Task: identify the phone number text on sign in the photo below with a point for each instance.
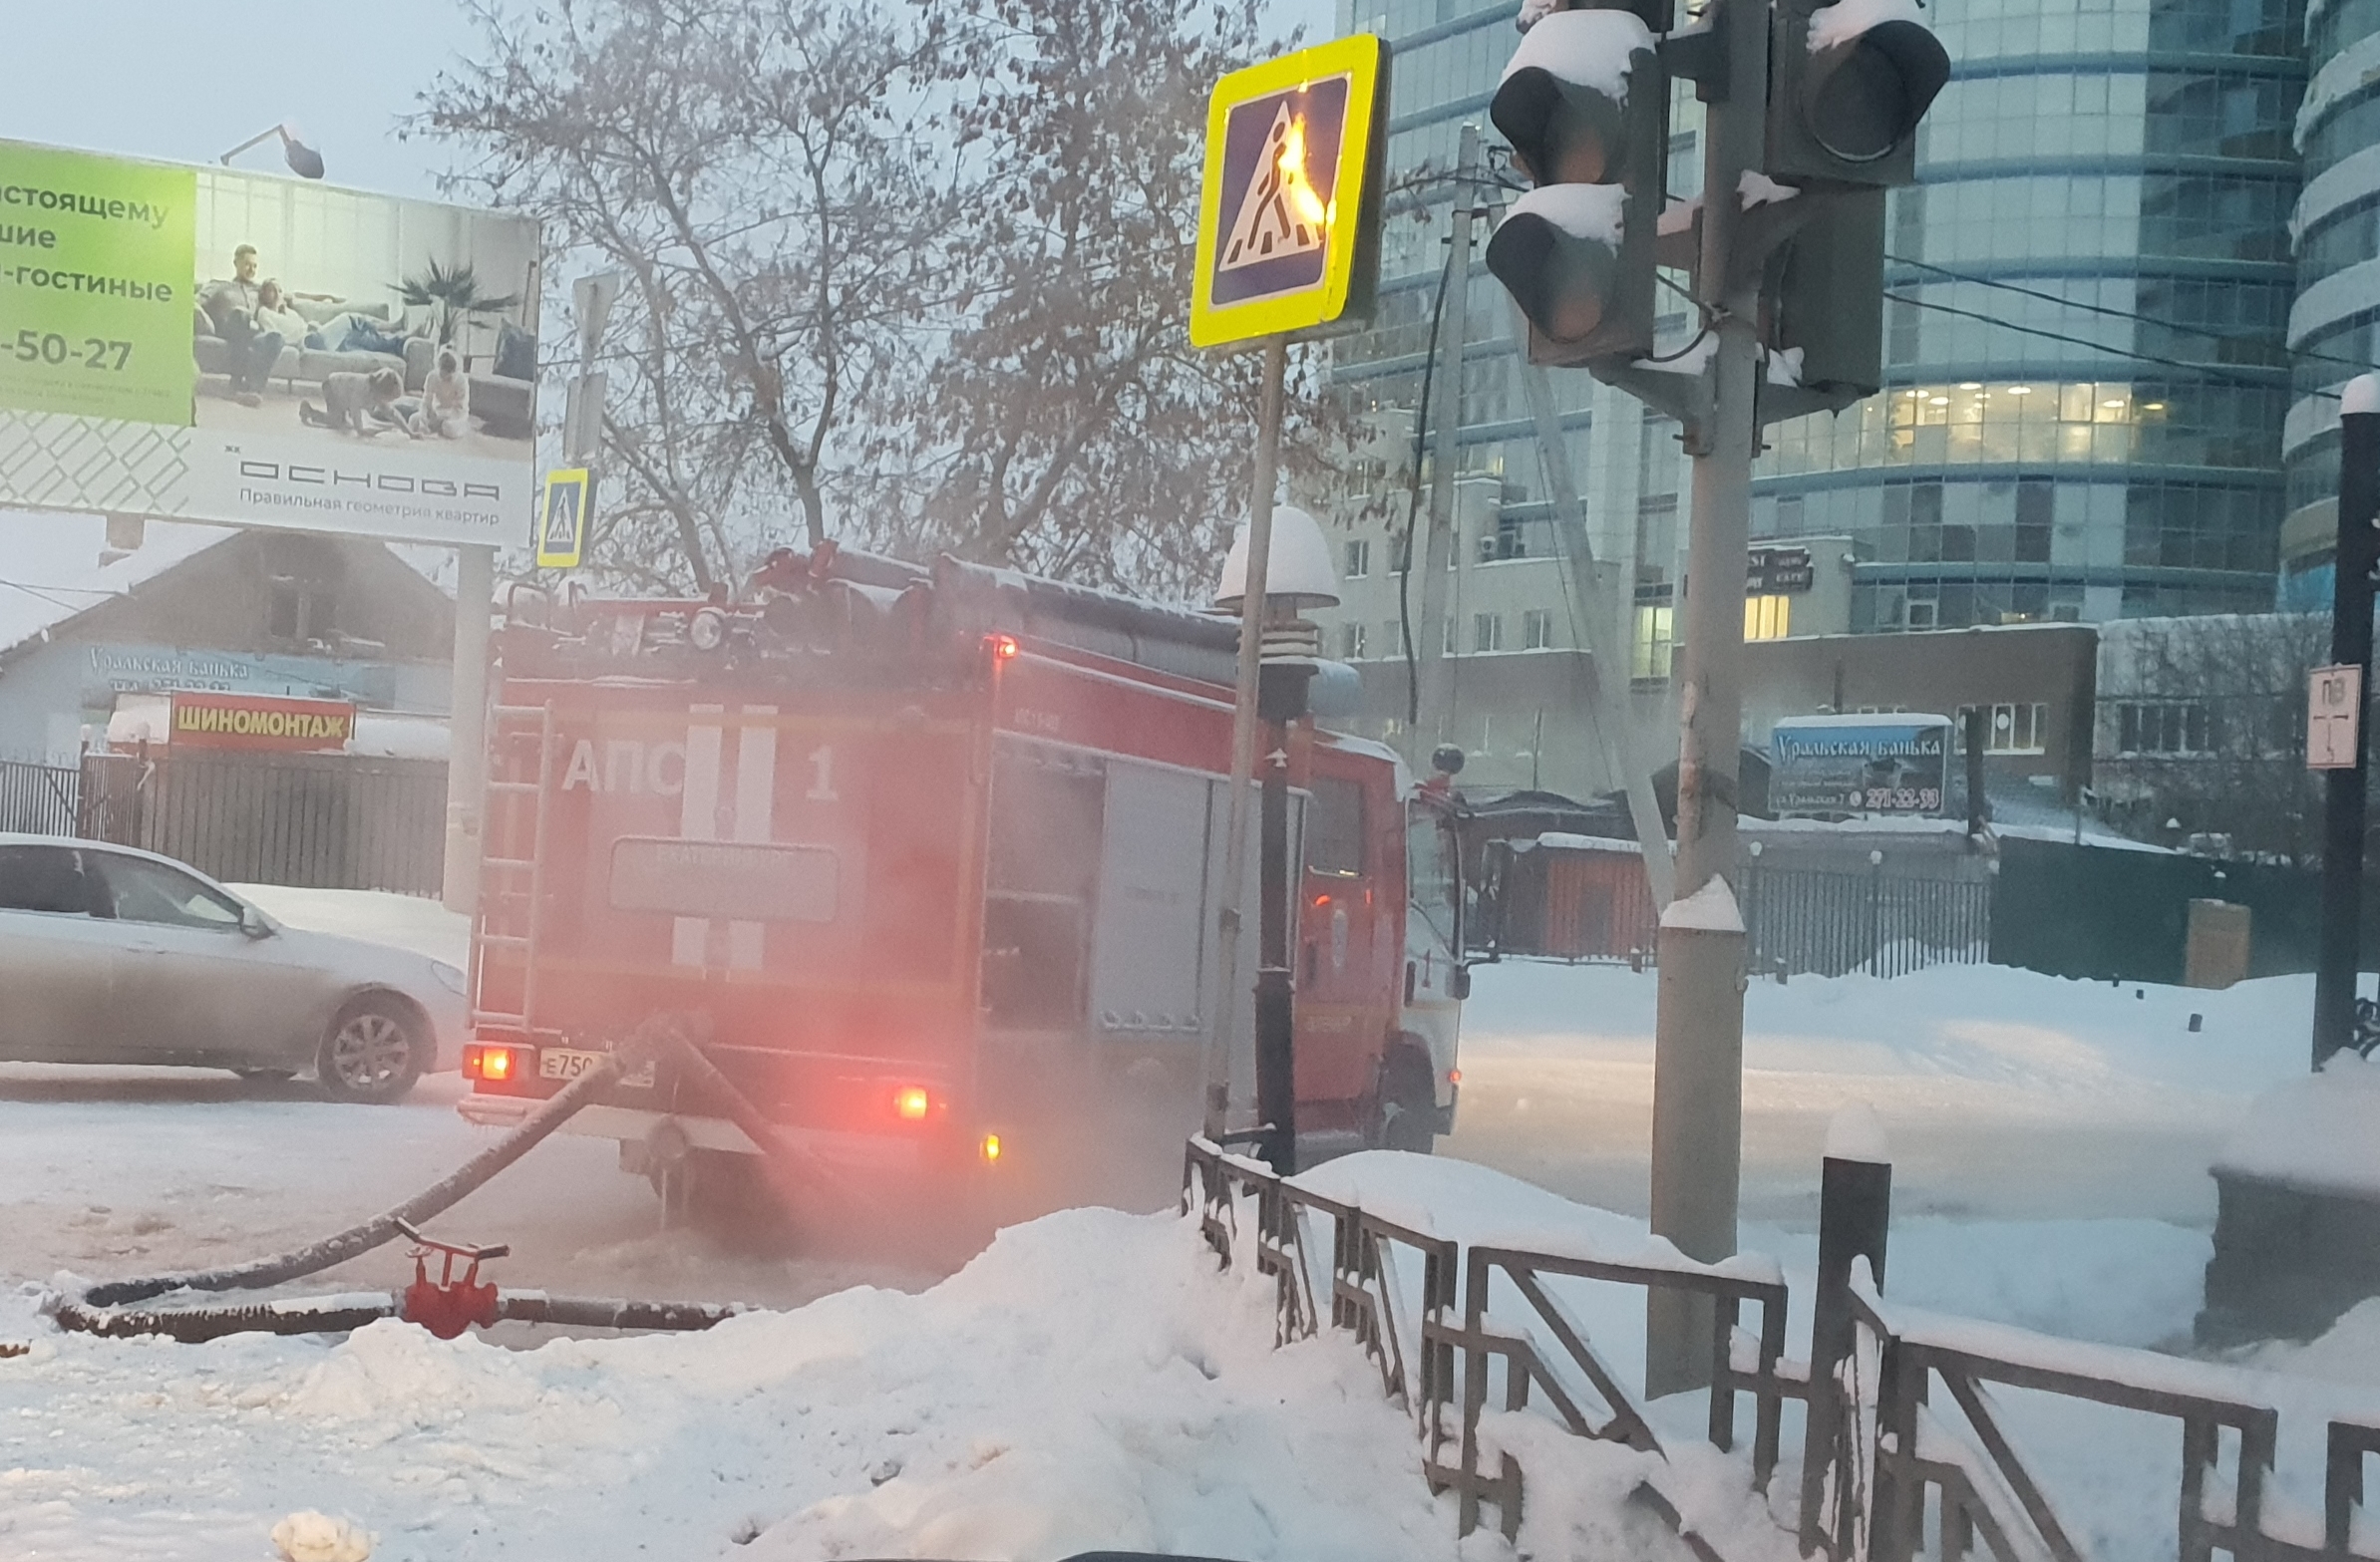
(109, 354)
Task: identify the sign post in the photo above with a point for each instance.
(1288, 246)
(2345, 779)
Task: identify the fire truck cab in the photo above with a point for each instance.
(928, 864)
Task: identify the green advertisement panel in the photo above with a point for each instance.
(241, 347)
(96, 261)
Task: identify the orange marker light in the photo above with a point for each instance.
(496, 1063)
(1454, 1076)
(991, 1148)
(910, 1102)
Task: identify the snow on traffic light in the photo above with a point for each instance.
(1847, 84)
(1586, 105)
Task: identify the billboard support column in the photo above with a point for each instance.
(467, 742)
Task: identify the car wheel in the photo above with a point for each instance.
(375, 1052)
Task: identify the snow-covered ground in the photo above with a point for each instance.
(1084, 1383)
(2007, 1095)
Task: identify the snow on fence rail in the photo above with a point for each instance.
(1875, 1445)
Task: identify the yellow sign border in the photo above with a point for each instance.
(564, 477)
(1359, 57)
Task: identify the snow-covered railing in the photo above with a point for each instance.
(1900, 1445)
(1359, 1271)
(1430, 1361)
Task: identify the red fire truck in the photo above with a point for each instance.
(931, 861)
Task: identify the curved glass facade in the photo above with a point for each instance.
(2086, 296)
(2335, 325)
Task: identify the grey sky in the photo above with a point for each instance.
(185, 83)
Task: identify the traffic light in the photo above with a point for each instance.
(1586, 105)
(1823, 307)
(1848, 84)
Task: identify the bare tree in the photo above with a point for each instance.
(1068, 425)
(2202, 722)
(756, 169)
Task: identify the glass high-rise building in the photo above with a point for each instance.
(2335, 326)
(2088, 288)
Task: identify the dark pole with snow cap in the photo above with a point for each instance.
(2344, 786)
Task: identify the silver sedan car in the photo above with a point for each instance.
(116, 956)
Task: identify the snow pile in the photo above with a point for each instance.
(1710, 909)
(318, 1537)
(2319, 1132)
(1089, 1382)
(1592, 213)
(1591, 49)
(1846, 20)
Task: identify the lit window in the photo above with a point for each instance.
(1768, 616)
(1649, 647)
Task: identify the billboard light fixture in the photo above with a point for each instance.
(303, 161)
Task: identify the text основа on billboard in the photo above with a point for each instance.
(202, 343)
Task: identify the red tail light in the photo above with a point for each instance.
(494, 1064)
(1004, 647)
(910, 1103)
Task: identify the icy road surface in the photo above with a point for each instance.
(2005, 1095)
(2021, 1110)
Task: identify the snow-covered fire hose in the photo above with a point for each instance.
(447, 1304)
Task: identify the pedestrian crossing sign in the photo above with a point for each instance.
(1288, 217)
(563, 518)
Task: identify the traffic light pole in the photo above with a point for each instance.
(1698, 1037)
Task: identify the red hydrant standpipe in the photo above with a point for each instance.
(446, 1306)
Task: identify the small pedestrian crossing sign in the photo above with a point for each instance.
(1288, 236)
(563, 518)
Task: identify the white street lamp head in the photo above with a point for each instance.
(1297, 567)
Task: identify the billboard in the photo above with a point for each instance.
(204, 344)
(1834, 766)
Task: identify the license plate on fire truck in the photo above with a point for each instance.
(565, 1062)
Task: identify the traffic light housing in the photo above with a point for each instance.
(1586, 105)
(1847, 84)
(1823, 307)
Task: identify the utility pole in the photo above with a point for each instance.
(1446, 454)
(1698, 1028)
(2344, 784)
(1606, 689)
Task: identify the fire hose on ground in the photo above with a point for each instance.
(449, 1304)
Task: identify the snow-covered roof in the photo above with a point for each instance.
(51, 574)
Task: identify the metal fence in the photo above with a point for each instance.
(1889, 1471)
(1799, 921)
(1593, 907)
(39, 800)
(324, 822)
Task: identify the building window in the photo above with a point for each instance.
(1768, 617)
(2012, 729)
(1487, 632)
(1351, 641)
(1392, 637)
(1649, 646)
(1359, 558)
(1536, 628)
(2164, 727)
(1446, 636)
